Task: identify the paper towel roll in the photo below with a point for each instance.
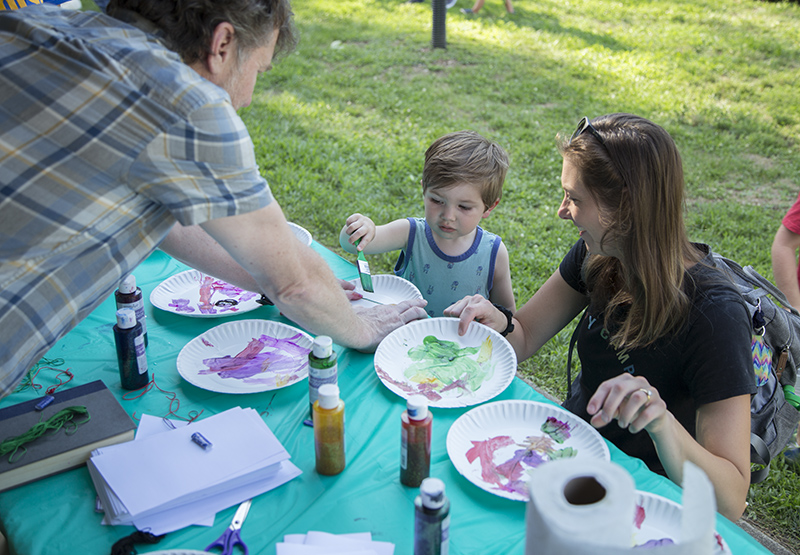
(577, 503)
(578, 507)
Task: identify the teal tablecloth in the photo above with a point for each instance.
(56, 515)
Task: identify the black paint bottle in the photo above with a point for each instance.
(431, 519)
(129, 337)
(130, 296)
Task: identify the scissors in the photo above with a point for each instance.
(230, 538)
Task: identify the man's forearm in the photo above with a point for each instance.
(196, 248)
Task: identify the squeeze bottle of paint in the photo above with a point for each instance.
(431, 519)
(328, 417)
(322, 368)
(130, 350)
(130, 296)
(415, 445)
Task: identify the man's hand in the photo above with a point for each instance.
(384, 319)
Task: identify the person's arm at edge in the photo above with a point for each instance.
(502, 292)
(784, 264)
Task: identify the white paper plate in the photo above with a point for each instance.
(662, 519)
(389, 289)
(181, 294)
(276, 357)
(481, 443)
(464, 371)
(301, 233)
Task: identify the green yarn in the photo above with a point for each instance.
(62, 419)
(27, 381)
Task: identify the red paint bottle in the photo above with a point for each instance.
(415, 445)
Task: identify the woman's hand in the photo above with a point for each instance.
(479, 309)
(721, 448)
(631, 401)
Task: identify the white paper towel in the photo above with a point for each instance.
(579, 506)
(575, 503)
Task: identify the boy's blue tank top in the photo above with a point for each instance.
(443, 279)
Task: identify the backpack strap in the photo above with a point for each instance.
(759, 451)
(750, 275)
(572, 341)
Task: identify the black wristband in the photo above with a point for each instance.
(510, 326)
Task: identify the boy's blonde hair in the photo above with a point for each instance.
(465, 157)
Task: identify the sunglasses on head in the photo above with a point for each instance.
(586, 125)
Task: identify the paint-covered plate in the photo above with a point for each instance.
(389, 289)
(193, 293)
(301, 233)
(495, 444)
(658, 521)
(246, 356)
(428, 357)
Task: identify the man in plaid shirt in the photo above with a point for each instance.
(119, 134)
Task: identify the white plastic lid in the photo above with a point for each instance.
(328, 396)
(417, 407)
(126, 318)
(432, 492)
(323, 346)
(128, 285)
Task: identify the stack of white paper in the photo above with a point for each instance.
(322, 543)
(164, 482)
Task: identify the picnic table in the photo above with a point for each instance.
(56, 515)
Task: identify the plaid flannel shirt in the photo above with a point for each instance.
(106, 140)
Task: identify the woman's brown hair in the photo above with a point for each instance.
(635, 175)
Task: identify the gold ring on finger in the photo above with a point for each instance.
(646, 392)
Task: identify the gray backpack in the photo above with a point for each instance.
(774, 407)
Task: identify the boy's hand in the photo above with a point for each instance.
(358, 227)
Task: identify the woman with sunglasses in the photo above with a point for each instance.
(664, 343)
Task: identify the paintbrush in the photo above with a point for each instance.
(363, 271)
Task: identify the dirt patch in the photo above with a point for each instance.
(773, 540)
(760, 161)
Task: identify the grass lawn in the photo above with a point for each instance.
(341, 126)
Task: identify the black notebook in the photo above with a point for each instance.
(55, 451)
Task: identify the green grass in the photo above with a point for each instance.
(342, 124)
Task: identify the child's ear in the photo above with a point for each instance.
(492, 207)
